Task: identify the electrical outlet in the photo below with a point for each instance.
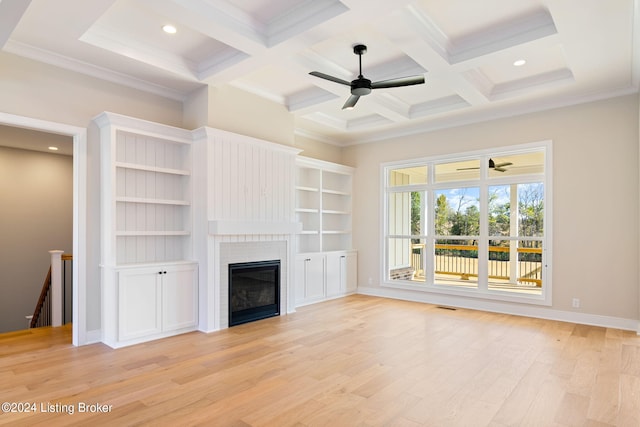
(576, 303)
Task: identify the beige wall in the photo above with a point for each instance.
(235, 110)
(36, 200)
(596, 196)
(41, 91)
(318, 150)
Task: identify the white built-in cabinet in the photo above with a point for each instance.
(322, 276)
(326, 264)
(156, 301)
(149, 279)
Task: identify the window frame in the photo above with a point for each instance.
(484, 182)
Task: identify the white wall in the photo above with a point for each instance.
(36, 191)
(596, 196)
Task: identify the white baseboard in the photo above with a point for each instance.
(504, 308)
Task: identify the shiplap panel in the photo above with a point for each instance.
(255, 184)
(250, 182)
(129, 148)
(225, 196)
(121, 184)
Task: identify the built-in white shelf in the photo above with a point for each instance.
(152, 201)
(153, 233)
(312, 189)
(323, 205)
(146, 175)
(147, 168)
(339, 193)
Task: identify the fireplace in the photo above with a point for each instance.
(254, 291)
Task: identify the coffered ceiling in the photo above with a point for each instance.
(575, 51)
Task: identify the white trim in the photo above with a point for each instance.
(502, 307)
(79, 327)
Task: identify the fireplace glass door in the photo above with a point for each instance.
(254, 291)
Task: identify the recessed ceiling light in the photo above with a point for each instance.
(169, 29)
(519, 63)
(52, 148)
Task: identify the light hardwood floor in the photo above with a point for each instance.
(356, 361)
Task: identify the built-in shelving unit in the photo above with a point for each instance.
(149, 279)
(152, 198)
(326, 264)
(323, 205)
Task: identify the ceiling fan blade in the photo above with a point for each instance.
(467, 169)
(402, 81)
(501, 165)
(351, 102)
(499, 169)
(330, 78)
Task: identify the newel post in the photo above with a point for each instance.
(56, 287)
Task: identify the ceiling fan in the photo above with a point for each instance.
(500, 167)
(362, 86)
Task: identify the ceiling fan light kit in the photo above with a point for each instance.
(363, 86)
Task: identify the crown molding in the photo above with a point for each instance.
(64, 62)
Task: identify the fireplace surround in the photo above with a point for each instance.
(252, 250)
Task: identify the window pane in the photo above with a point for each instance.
(406, 259)
(456, 263)
(418, 260)
(399, 214)
(408, 176)
(517, 164)
(515, 266)
(400, 258)
(530, 263)
(405, 213)
(499, 210)
(457, 212)
(531, 210)
(458, 171)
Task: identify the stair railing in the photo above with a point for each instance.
(51, 306)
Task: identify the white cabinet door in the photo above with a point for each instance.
(309, 276)
(139, 303)
(314, 267)
(349, 271)
(179, 298)
(342, 270)
(300, 286)
(334, 274)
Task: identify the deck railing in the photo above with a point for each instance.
(462, 261)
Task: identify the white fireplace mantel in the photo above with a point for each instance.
(238, 228)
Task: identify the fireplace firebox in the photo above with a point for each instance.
(254, 291)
